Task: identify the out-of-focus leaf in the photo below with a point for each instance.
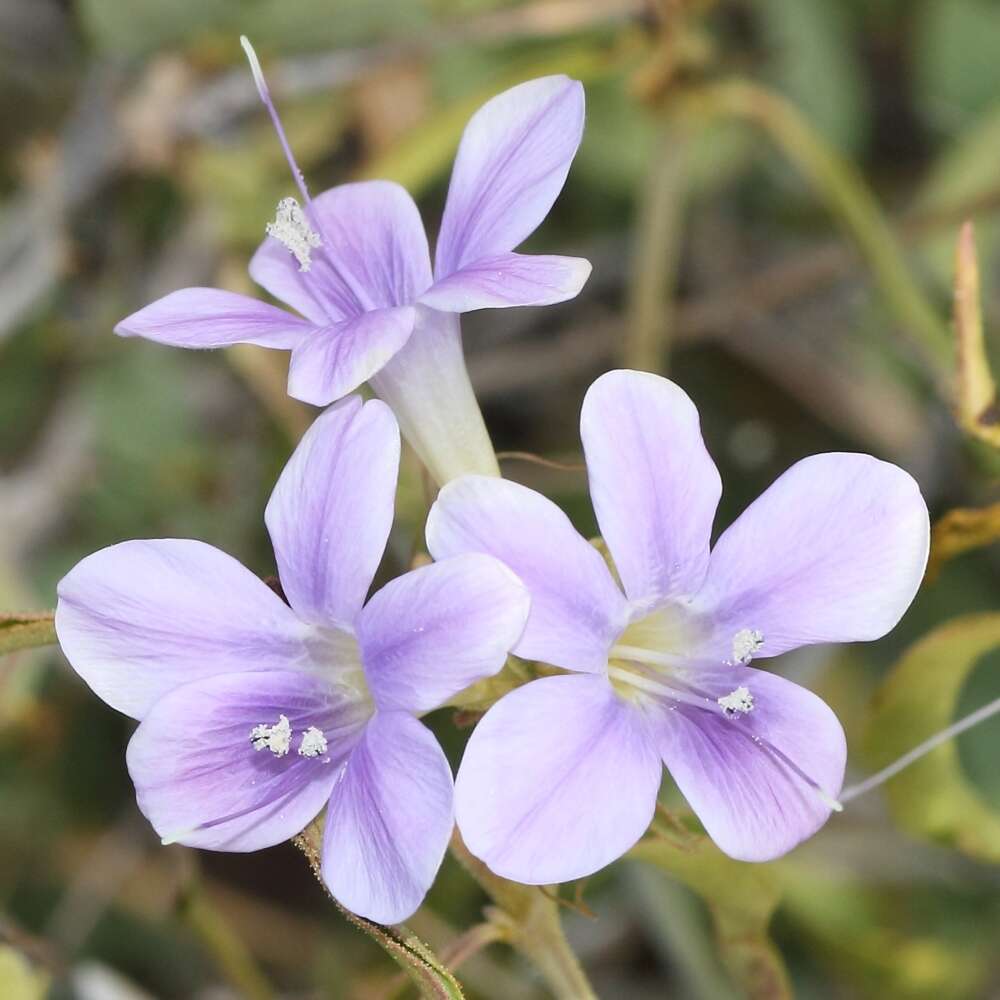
(874, 947)
(18, 979)
(141, 25)
(933, 797)
(811, 60)
(741, 898)
(956, 70)
(26, 630)
(978, 413)
(962, 530)
(963, 176)
(424, 968)
(425, 154)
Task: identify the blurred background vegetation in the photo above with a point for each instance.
(770, 192)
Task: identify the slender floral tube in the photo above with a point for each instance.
(427, 386)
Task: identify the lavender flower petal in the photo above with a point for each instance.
(755, 801)
(389, 820)
(653, 485)
(138, 619)
(434, 631)
(559, 778)
(333, 361)
(511, 165)
(509, 279)
(201, 782)
(210, 317)
(576, 608)
(277, 272)
(374, 253)
(331, 510)
(833, 551)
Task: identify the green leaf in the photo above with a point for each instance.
(741, 898)
(26, 630)
(416, 959)
(20, 981)
(933, 798)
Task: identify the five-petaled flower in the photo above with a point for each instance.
(255, 714)
(354, 262)
(561, 776)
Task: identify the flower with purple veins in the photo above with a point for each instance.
(561, 776)
(255, 714)
(354, 263)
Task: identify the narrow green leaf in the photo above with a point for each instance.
(26, 629)
(933, 798)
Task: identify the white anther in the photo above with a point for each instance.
(313, 743)
(738, 702)
(291, 228)
(276, 738)
(746, 642)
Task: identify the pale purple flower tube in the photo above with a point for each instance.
(561, 776)
(255, 714)
(355, 265)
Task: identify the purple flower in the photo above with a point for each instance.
(255, 714)
(354, 263)
(561, 776)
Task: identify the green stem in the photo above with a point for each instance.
(657, 254)
(530, 923)
(26, 630)
(228, 951)
(847, 196)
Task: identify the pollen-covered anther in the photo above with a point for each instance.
(313, 743)
(276, 738)
(746, 642)
(738, 702)
(291, 228)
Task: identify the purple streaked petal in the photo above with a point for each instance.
(331, 510)
(138, 619)
(333, 361)
(389, 820)
(511, 165)
(833, 551)
(199, 780)
(434, 631)
(558, 780)
(210, 317)
(576, 609)
(653, 485)
(374, 253)
(276, 271)
(509, 279)
(755, 802)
